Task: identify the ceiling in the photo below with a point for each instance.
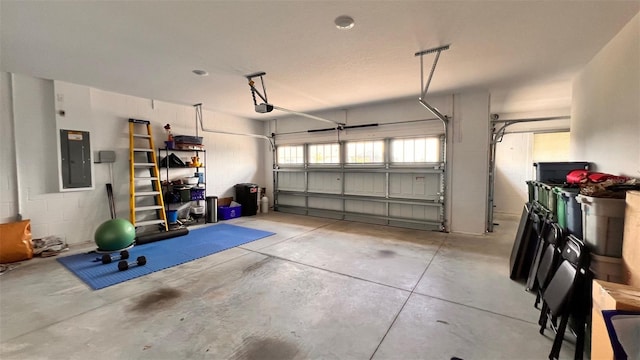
(524, 52)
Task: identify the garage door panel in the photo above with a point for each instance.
(415, 212)
(291, 181)
(291, 200)
(369, 184)
(387, 190)
(325, 182)
(415, 185)
(325, 204)
(365, 207)
(364, 219)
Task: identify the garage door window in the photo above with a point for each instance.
(324, 154)
(291, 155)
(365, 152)
(415, 150)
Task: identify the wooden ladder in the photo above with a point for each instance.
(144, 158)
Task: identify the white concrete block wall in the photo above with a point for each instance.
(469, 146)
(8, 199)
(605, 118)
(514, 159)
(75, 215)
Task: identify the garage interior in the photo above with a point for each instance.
(392, 230)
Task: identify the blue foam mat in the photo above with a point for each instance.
(162, 254)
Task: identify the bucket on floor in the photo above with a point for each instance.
(172, 216)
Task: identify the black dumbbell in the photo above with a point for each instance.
(124, 265)
(108, 258)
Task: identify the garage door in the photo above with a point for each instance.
(392, 181)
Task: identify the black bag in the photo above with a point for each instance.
(173, 161)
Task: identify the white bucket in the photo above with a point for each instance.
(264, 205)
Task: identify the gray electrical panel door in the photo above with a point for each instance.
(76, 159)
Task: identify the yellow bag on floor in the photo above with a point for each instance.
(15, 242)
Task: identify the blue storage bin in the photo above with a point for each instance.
(229, 212)
(197, 194)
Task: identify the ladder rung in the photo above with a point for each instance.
(142, 165)
(142, 150)
(149, 222)
(144, 136)
(138, 121)
(147, 193)
(145, 178)
(147, 208)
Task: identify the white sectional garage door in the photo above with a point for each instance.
(393, 181)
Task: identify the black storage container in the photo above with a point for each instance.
(556, 172)
(247, 196)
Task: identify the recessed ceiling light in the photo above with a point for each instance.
(200, 72)
(344, 22)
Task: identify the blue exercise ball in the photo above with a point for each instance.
(114, 235)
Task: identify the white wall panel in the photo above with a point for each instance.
(605, 117)
(368, 184)
(385, 114)
(514, 159)
(329, 182)
(469, 163)
(8, 187)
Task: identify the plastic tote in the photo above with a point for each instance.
(569, 213)
(556, 172)
(602, 224)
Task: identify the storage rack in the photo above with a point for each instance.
(202, 154)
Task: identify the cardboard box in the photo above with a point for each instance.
(631, 240)
(225, 201)
(609, 296)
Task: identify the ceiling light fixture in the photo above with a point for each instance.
(200, 72)
(344, 22)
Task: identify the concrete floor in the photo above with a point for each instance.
(319, 288)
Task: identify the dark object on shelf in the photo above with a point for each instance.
(556, 172)
(173, 161)
(247, 196)
(172, 197)
(187, 139)
(147, 238)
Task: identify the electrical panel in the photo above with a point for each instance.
(75, 149)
